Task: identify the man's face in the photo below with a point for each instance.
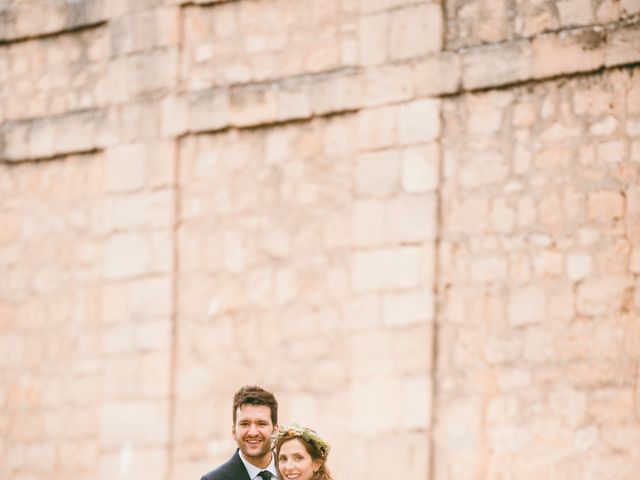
(252, 432)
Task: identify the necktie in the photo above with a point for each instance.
(265, 474)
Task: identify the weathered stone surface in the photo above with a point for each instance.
(414, 219)
(575, 51)
(20, 19)
(353, 183)
(622, 46)
(55, 75)
(437, 74)
(485, 67)
(415, 31)
(76, 132)
(239, 42)
(536, 274)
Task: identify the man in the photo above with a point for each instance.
(255, 418)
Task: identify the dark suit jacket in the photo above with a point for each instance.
(233, 469)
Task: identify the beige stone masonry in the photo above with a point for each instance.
(337, 92)
(33, 19)
(550, 55)
(553, 284)
(75, 132)
(468, 70)
(497, 21)
(589, 48)
(226, 43)
(417, 222)
(46, 76)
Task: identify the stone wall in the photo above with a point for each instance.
(538, 269)
(415, 221)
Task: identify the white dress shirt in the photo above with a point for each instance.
(254, 471)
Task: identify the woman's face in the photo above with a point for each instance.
(294, 462)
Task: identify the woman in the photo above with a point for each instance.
(300, 454)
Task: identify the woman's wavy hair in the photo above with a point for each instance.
(317, 448)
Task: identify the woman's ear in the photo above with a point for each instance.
(316, 465)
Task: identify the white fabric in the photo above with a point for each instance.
(254, 471)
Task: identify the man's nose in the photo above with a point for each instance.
(253, 429)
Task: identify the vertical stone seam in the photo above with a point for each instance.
(176, 258)
(436, 268)
(436, 303)
(174, 311)
(445, 27)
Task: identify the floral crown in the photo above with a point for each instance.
(294, 430)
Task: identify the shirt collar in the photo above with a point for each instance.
(253, 471)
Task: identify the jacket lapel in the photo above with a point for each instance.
(237, 470)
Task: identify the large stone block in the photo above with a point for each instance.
(76, 132)
(493, 66)
(603, 295)
(134, 422)
(151, 297)
(420, 168)
(334, 93)
(384, 394)
(407, 308)
(132, 461)
(244, 42)
(21, 20)
(413, 219)
(126, 168)
(127, 255)
(575, 12)
(622, 46)
(437, 74)
(370, 354)
(415, 31)
(253, 105)
(387, 84)
(575, 51)
(606, 206)
(527, 305)
(419, 122)
(373, 38)
(381, 269)
(144, 30)
(55, 74)
(378, 127)
(141, 74)
(377, 174)
(370, 223)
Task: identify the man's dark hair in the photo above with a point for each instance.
(254, 395)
